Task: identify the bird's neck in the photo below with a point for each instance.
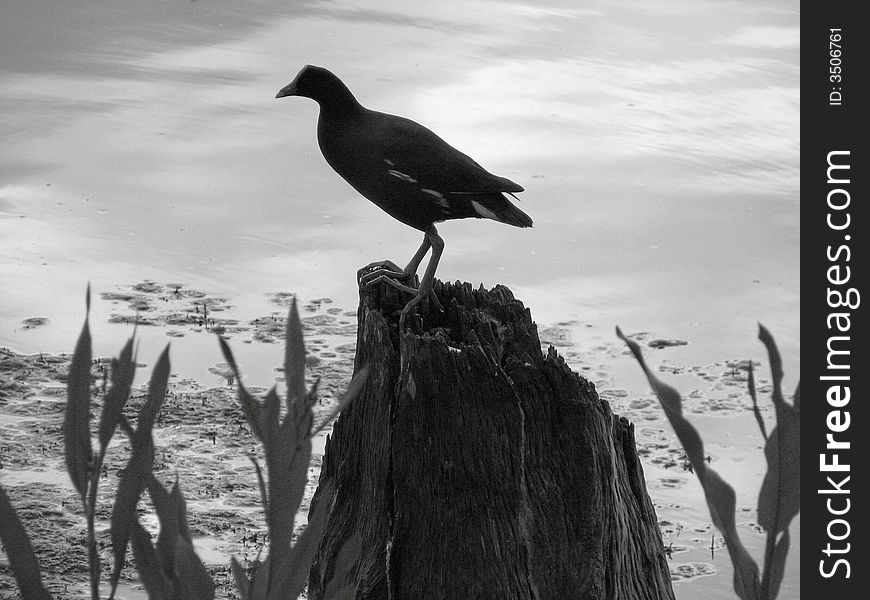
(339, 102)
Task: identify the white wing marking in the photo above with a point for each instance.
(439, 197)
(483, 211)
(402, 176)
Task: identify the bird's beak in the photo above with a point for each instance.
(287, 90)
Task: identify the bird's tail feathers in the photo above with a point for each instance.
(498, 208)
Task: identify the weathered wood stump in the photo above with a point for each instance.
(475, 467)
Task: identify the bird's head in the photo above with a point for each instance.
(320, 85)
(309, 82)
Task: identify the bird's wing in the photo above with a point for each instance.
(412, 153)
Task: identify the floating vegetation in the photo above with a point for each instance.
(34, 322)
(155, 304)
(660, 343)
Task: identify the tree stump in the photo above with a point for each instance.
(474, 466)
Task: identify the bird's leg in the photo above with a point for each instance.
(388, 272)
(387, 268)
(437, 248)
(414, 263)
(425, 289)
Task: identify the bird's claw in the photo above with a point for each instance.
(377, 266)
(373, 272)
(382, 277)
(419, 293)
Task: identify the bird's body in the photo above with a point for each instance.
(411, 173)
(403, 167)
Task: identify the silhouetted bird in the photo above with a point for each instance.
(405, 169)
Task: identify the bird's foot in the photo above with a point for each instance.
(388, 272)
(419, 293)
(373, 272)
(381, 277)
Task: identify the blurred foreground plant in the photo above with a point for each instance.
(171, 570)
(779, 499)
(287, 444)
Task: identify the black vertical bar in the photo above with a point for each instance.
(835, 225)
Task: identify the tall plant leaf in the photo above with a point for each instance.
(291, 572)
(148, 565)
(167, 539)
(261, 483)
(270, 414)
(288, 476)
(175, 556)
(137, 474)
(288, 454)
(354, 389)
(775, 570)
(243, 584)
(719, 495)
(294, 358)
(261, 581)
(159, 495)
(123, 371)
(76, 422)
(779, 499)
(192, 579)
(752, 394)
(250, 407)
(156, 394)
(181, 510)
(22, 559)
(124, 516)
